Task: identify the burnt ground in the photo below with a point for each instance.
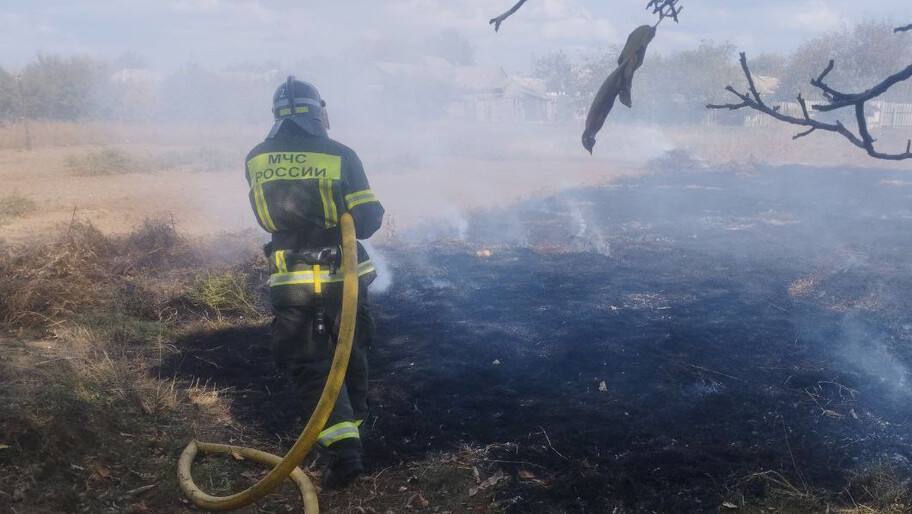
(665, 344)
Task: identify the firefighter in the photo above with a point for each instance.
(301, 181)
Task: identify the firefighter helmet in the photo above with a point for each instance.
(299, 102)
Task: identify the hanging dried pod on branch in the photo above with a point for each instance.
(619, 84)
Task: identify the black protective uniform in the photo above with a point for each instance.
(301, 181)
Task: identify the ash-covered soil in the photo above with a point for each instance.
(671, 343)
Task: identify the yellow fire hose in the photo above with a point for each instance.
(285, 467)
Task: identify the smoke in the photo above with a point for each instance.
(870, 352)
(589, 235)
(453, 221)
(385, 276)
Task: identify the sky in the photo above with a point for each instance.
(221, 33)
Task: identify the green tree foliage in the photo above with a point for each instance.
(62, 88)
(684, 82)
(864, 55)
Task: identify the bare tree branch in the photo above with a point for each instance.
(838, 100)
(500, 19)
(752, 100)
(664, 8)
(907, 28)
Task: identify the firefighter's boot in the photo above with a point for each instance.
(343, 471)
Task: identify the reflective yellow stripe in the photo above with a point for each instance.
(281, 266)
(359, 197)
(262, 210)
(259, 201)
(299, 109)
(295, 278)
(338, 432)
(330, 215)
(318, 283)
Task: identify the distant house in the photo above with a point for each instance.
(491, 96)
(486, 94)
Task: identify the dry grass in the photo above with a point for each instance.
(105, 161)
(82, 410)
(82, 270)
(50, 281)
(879, 489)
(110, 355)
(45, 134)
(202, 158)
(86, 422)
(14, 206)
(225, 293)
